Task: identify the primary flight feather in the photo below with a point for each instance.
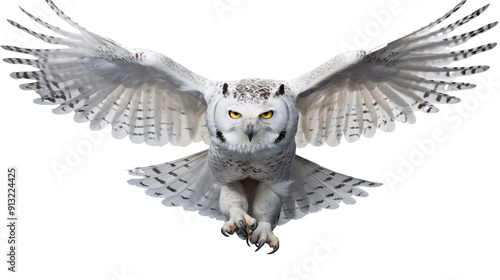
(250, 176)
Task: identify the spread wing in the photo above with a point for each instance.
(140, 93)
(356, 93)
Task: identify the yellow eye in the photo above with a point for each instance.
(267, 115)
(234, 115)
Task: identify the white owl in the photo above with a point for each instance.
(250, 176)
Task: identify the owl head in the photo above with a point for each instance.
(251, 115)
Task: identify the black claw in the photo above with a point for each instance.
(274, 249)
(262, 242)
(243, 227)
(254, 227)
(224, 232)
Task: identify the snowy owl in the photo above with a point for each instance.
(250, 177)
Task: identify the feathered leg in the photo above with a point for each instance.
(266, 209)
(233, 204)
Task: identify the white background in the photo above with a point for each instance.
(439, 221)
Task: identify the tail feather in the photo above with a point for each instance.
(155, 170)
(316, 188)
(189, 183)
(186, 182)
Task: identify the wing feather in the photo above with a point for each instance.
(356, 93)
(142, 94)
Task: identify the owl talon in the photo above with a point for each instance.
(263, 235)
(274, 249)
(243, 228)
(223, 230)
(262, 242)
(237, 223)
(254, 227)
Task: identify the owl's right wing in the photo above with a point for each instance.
(142, 94)
(357, 93)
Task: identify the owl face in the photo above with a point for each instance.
(251, 116)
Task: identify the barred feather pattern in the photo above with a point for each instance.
(188, 183)
(151, 98)
(355, 94)
(141, 94)
(316, 188)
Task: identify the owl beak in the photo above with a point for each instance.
(249, 132)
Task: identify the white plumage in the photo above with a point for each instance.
(250, 176)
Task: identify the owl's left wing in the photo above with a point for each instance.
(356, 93)
(142, 94)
